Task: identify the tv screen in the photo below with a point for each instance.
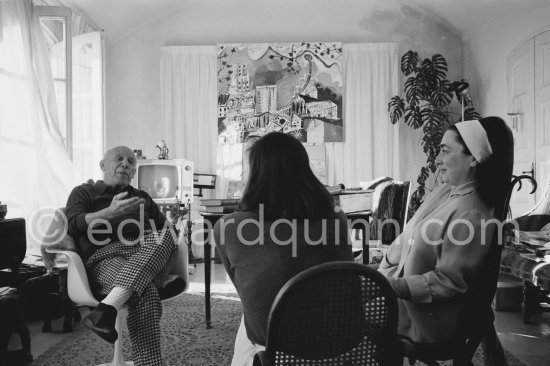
(160, 181)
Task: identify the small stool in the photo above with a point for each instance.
(13, 321)
(509, 294)
(45, 297)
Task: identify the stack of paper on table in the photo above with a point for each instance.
(219, 205)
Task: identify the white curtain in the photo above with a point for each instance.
(189, 104)
(371, 142)
(36, 169)
(189, 100)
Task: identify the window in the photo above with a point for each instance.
(55, 22)
(51, 109)
(79, 89)
(87, 131)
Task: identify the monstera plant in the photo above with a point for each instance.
(428, 104)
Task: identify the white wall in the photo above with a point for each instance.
(486, 53)
(133, 64)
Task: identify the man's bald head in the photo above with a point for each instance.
(119, 150)
(118, 166)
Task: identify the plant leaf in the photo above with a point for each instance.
(423, 175)
(470, 113)
(441, 94)
(413, 116)
(439, 66)
(396, 108)
(433, 70)
(409, 62)
(433, 126)
(413, 90)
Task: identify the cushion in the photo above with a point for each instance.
(56, 238)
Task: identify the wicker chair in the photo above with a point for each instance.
(336, 313)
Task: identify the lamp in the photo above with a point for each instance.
(462, 90)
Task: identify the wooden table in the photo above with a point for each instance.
(211, 219)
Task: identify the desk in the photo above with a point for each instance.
(360, 221)
(211, 219)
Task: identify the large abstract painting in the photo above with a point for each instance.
(295, 88)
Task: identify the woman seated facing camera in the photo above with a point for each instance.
(286, 223)
(444, 245)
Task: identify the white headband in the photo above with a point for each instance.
(475, 138)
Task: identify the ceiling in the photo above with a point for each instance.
(118, 18)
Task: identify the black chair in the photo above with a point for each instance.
(390, 201)
(337, 313)
(476, 320)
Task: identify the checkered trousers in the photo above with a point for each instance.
(140, 267)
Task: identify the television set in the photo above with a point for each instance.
(166, 181)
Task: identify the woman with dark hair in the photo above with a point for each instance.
(286, 223)
(443, 247)
(281, 179)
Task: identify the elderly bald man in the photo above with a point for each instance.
(127, 250)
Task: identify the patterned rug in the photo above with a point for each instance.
(478, 359)
(185, 340)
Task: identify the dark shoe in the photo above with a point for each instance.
(172, 288)
(102, 322)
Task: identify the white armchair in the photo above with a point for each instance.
(80, 293)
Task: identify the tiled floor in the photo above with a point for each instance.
(529, 343)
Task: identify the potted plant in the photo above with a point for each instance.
(427, 104)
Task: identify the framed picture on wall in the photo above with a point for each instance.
(294, 88)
